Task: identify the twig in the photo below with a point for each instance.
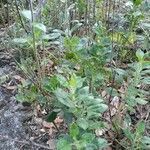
(25, 142)
(113, 72)
(56, 127)
(20, 18)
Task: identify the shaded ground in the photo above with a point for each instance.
(18, 128)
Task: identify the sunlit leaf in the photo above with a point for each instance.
(20, 40)
(140, 54)
(137, 2)
(40, 26)
(128, 134)
(88, 137)
(62, 97)
(102, 143)
(51, 36)
(63, 1)
(141, 101)
(140, 127)
(82, 123)
(74, 130)
(63, 144)
(27, 14)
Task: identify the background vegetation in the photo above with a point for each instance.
(86, 61)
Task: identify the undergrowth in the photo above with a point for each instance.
(88, 62)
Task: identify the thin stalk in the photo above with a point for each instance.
(112, 70)
(86, 17)
(94, 10)
(43, 45)
(91, 85)
(35, 50)
(108, 14)
(20, 18)
(56, 127)
(106, 10)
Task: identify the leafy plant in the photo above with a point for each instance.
(76, 61)
(134, 95)
(136, 139)
(81, 111)
(80, 140)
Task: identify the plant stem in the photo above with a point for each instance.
(35, 50)
(56, 127)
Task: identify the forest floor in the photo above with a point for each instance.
(20, 129)
(22, 126)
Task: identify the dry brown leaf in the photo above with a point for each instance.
(58, 120)
(50, 132)
(115, 105)
(38, 111)
(44, 112)
(47, 125)
(103, 93)
(19, 78)
(38, 120)
(99, 132)
(13, 87)
(121, 90)
(42, 130)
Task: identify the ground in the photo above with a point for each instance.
(19, 128)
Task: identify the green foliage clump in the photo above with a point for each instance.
(79, 63)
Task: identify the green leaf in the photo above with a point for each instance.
(128, 134)
(102, 143)
(51, 36)
(88, 137)
(98, 108)
(63, 1)
(52, 116)
(120, 71)
(73, 81)
(63, 144)
(74, 130)
(3, 78)
(50, 84)
(140, 128)
(20, 40)
(62, 80)
(40, 26)
(82, 123)
(84, 91)
(76, 82)
(141, 101)
(146, 80)
(146, 25)
(139, 54)
(98, 100)
(63, 97)
(146, 140)
(27, 14)
(137, 2)
(80, 82)
(76, 27)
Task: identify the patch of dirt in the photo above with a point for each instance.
(20, 129)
